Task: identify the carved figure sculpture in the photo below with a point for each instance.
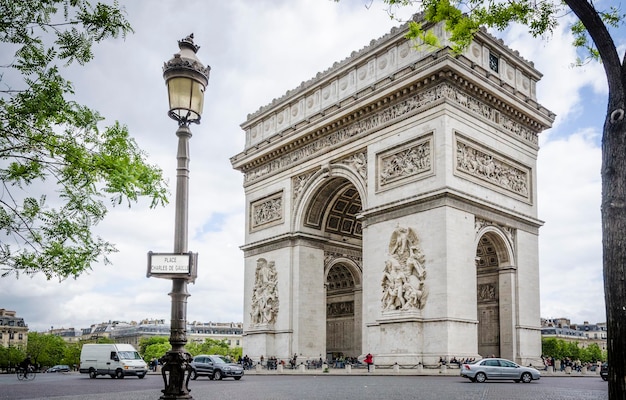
(264, 308)
(404, 275)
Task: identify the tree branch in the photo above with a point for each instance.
(600, 35)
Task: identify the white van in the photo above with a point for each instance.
(116, 360)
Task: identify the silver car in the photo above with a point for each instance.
(498, 368)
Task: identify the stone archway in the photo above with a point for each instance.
(332, 212)
(493, 294)
(487, 298)
(388, 138)
(343, 310)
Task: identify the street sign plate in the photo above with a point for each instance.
(172, 265)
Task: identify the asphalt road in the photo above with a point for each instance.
(74, 386)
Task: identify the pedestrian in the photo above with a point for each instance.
(369, 360)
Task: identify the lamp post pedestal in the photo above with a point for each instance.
(176, 369)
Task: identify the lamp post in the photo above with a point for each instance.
(186, 79)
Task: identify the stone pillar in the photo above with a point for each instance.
(279, 368)
(302, 368)
(348, 369)
(396, 368)
(507, 302)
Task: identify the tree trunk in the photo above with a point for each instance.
(613, 196)
(614, 243)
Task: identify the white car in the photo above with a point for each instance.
(498, 368)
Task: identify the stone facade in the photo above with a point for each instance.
(395, 197)
(13, 330)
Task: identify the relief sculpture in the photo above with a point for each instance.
(404, 275)
(390, 114)
(408, 162)
(489, 168)
(264, 293)
(358, 162)
(266, 211)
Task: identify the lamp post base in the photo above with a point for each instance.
(176, 372)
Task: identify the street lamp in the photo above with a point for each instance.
(186, 79)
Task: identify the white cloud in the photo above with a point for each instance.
(570, 241)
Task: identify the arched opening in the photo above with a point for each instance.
(332, 213)
(488, 297)
(342, 316)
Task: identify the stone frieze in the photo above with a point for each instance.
(493, 168)
(410, 161)
(267, 211)
(397, 111)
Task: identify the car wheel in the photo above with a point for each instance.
(237, 378)
(605, 378)
(526, 377)
(480, 377)
(194, 375)
(119, 374)
(217, 375)
(92, 374)
(140, 376)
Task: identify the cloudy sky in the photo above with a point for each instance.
(257, 51)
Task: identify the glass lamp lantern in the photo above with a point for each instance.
(186, 79)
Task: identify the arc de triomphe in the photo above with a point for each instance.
(392, 208)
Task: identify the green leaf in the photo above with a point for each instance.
(46, 137)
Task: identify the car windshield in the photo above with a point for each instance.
(129, 355)
(220, 360)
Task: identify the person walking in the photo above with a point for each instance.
(369, 360)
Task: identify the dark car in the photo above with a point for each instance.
(59, 368)
(498, 368)
(215, 367)
(604, 371)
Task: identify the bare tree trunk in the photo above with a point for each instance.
(614, 244)
(613, 196)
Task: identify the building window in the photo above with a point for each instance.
(237, 342)
(20, 337)
(494, 62)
